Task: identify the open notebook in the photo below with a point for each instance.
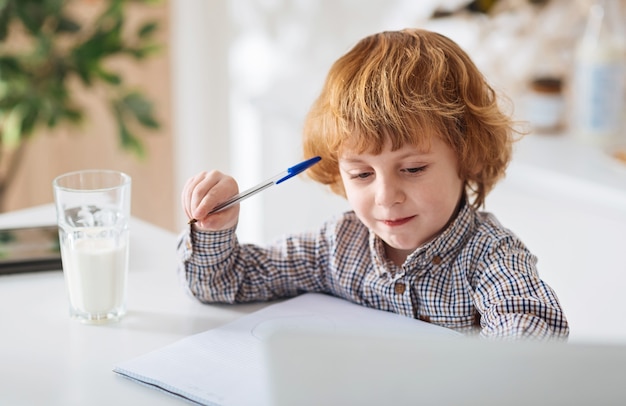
(227, 365)
(320, 350)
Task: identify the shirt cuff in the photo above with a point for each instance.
(206, 247)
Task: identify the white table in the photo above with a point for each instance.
(46, 358)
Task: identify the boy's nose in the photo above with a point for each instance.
(388, 193)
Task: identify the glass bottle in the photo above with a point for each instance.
(598, 86)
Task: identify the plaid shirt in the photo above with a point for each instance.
(476, 277)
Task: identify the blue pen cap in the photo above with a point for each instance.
(298, 168)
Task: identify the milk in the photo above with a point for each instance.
(95, 273)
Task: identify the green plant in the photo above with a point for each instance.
(46, 53)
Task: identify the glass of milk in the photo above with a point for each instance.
(93, 210)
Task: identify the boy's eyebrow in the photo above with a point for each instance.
(350, 160)
(357, 157)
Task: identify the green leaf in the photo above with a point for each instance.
(141, 109)
(9, 65)
(128, 141)
(114, 12)
(32, 15)
(147, 29)
(67, 25)
(145, 51)
(31, 115)
(109, 77)
(84, 70)
(73, 115)
(6, 11)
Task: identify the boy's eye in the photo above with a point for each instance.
(361, 175)
(415, 170)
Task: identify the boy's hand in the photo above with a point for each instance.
(205, 191)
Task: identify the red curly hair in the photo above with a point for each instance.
(403, 87)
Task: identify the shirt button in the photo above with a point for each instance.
(436, 260)
(399, 288)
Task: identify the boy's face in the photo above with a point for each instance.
(407, 197)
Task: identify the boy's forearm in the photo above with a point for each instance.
(215, 268)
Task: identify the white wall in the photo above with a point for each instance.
(199, 48)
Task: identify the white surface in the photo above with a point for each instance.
(46, 358)
(344, 369)
(226, 365)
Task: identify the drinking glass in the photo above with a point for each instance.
(93, 211)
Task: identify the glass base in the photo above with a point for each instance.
(97, 318)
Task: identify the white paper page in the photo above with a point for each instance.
(225, 365)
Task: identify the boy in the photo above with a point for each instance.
(411, 134)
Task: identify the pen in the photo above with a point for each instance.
(274, 180)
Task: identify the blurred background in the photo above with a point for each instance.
(231, 81)
(165, 89)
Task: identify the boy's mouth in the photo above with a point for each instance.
(397, 222)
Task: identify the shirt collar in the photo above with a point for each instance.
(437, 251)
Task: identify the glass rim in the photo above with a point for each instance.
(124, 179)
